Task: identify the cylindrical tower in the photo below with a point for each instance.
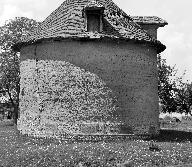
(78, 82)
(84, 78)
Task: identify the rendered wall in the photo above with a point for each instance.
(151, 29)
(124, 73)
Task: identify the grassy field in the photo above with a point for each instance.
(173, 148)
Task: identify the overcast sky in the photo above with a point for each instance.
(176, 36)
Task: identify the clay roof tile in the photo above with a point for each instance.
(93, 4)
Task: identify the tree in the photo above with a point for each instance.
(184, 98)
(174, 94)
(167, 86)
(12, 32)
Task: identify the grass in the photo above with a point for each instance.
(184, 125)
(175, 148)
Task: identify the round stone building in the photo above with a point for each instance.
(89, 68)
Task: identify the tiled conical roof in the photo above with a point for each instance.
(68, 21)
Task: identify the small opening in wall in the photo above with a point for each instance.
(93, 23)
(94, 19)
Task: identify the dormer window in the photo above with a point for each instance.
(94, 21)
(94, 17)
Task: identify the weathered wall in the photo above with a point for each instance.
(29, 107)
(127, 70)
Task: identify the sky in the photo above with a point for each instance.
(176, 35)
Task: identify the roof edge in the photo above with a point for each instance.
(157, 44)
(149, 20)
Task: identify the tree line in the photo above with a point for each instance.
(174, 94)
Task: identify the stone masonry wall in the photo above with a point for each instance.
(58, 97)
(126, 74)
